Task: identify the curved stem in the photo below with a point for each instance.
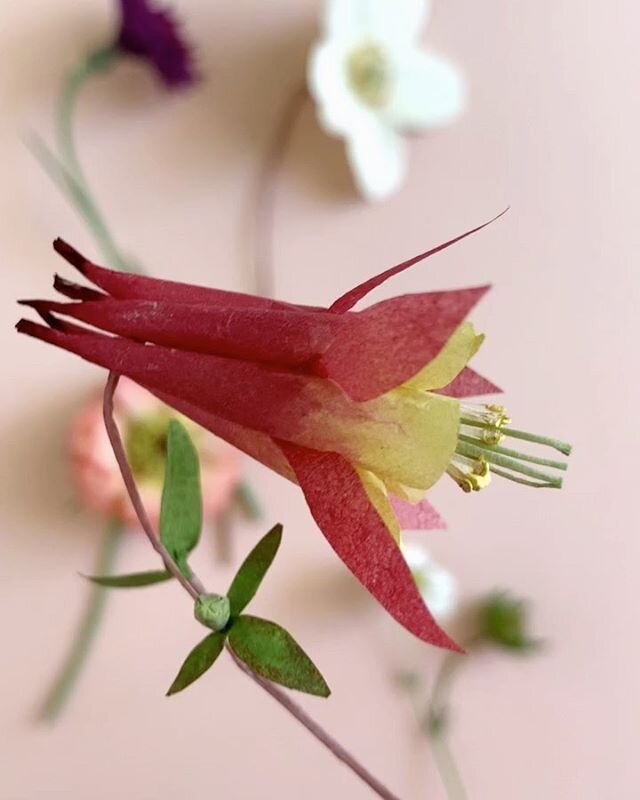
(194, 588)
(263, 272)
(316, 730)
(436, 725)
(59, 693)
(79, 190)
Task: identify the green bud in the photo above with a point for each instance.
(504, 622)
(213, 611)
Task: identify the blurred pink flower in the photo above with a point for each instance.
(143, 423)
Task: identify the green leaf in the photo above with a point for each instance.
(249, 577)
(130, 581)
(181, 507)
(198, 662)
(274, 654)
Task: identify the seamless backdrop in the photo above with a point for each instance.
(552, 129)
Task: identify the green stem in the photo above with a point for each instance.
(75, 180)
(435, 723)
(81, 646)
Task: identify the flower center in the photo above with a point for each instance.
(146, 446)
(479, 452)
(369, 74)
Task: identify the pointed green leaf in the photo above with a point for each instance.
(130, 581)
(181, 507)
(198, 662)
(274, 654)
(249, 577)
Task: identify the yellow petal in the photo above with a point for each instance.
(462, 345)
(377, 494)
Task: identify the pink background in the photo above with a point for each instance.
(553, 130)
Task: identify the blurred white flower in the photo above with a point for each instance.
(437, 586)
(372, 81)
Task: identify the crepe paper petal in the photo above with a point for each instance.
(353, 296)
(469, 384)
(153, 34)
(354, 529)
(403, 437)
(181, 505)
(457, 351)
(379, 159)
(386, 345)
(75, 291)
(380, 500)
(287, 338)
(140, 287)
(428, 91)
(132, 581)
(270, 651)
(255, 444)
(249, 577)
(420, 516)
(199, 660)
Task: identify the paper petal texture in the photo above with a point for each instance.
(358, 407)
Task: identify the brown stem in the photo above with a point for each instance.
(265, 191)
(127, 476)
(316, 730)
(194, 588)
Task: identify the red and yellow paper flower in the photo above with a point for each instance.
(361, 409)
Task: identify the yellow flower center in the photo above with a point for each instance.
(369, 74)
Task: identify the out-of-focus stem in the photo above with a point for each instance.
(61, 689)
(263, 271)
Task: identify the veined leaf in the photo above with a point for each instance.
(249, 577)
(181, 507)
(130, 581)
(199, 660)
(274, 654)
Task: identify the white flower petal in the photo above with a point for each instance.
(437, 586)
(378, 157)
(380, 20)
(429, 91)
(339, 110)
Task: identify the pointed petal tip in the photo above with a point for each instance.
(70, 254)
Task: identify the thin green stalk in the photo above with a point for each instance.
(61, 689)
(435, 724)
(491, 456)
(507, 451)
(68, 174)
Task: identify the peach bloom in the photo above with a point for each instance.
(143, 422)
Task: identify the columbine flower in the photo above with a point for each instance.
(152, 34)
(372, 82)
(353, 406)
(143, 420)
(435, 584)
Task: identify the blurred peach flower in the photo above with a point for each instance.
(143, 421)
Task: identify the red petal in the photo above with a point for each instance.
(385, 345)
(348, 300)
(140, 287)
(288, 338)
(342, 510)
(421, 516)
(469, 384)
(253, 443)
(245, 393)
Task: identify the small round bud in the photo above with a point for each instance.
(213, 611)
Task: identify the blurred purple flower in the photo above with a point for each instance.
(153, 34)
